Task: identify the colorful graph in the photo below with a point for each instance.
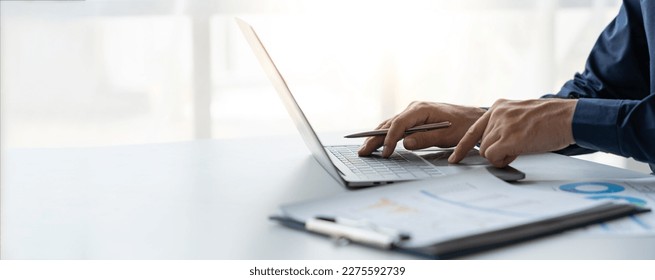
(592, 188)
(391, 206)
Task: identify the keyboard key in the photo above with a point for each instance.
(401, 164)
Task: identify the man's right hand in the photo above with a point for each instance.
(419, 113)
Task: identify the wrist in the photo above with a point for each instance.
(567, 111)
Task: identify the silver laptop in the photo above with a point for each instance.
(342, 162)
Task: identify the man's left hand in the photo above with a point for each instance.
(510, 128)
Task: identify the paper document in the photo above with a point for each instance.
(445, 208)
(639, 191)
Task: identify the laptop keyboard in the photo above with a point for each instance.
(401, 165)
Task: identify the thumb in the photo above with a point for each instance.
(421, 140)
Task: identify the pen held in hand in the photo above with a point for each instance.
(419, 128)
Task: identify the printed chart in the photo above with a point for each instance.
(640, 192)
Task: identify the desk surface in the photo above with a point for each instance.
(197, 200)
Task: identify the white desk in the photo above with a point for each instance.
(194, 200)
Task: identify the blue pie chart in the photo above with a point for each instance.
(629, 199)
(591, 188)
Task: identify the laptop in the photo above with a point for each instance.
(342, 161)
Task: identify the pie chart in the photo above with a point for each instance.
(592, 188)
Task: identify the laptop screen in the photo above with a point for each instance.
(302, 124)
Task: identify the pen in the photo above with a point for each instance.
(419, 128)
(356, 231)
(366, 225)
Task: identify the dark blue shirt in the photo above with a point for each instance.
(616, 107)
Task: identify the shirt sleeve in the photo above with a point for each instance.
(616, 108)
(622, 127)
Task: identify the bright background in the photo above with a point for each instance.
(100, 72)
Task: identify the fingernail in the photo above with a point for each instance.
(451, 158)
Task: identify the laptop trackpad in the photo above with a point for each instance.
(473, 158)
(440, 157)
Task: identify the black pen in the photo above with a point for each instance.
(419, 128)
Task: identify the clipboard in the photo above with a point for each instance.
(336, 217)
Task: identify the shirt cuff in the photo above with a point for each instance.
(595, 124)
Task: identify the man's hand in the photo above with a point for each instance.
(418, 113)
(511, 128)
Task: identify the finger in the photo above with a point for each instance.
(373, 143)
(490, 135)
(385, 124)
(471, 137)
(500, 154)
(370, 145)
(422, 140)
(489, 138)
(503, 162)
(396, 131)
(507, 161)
